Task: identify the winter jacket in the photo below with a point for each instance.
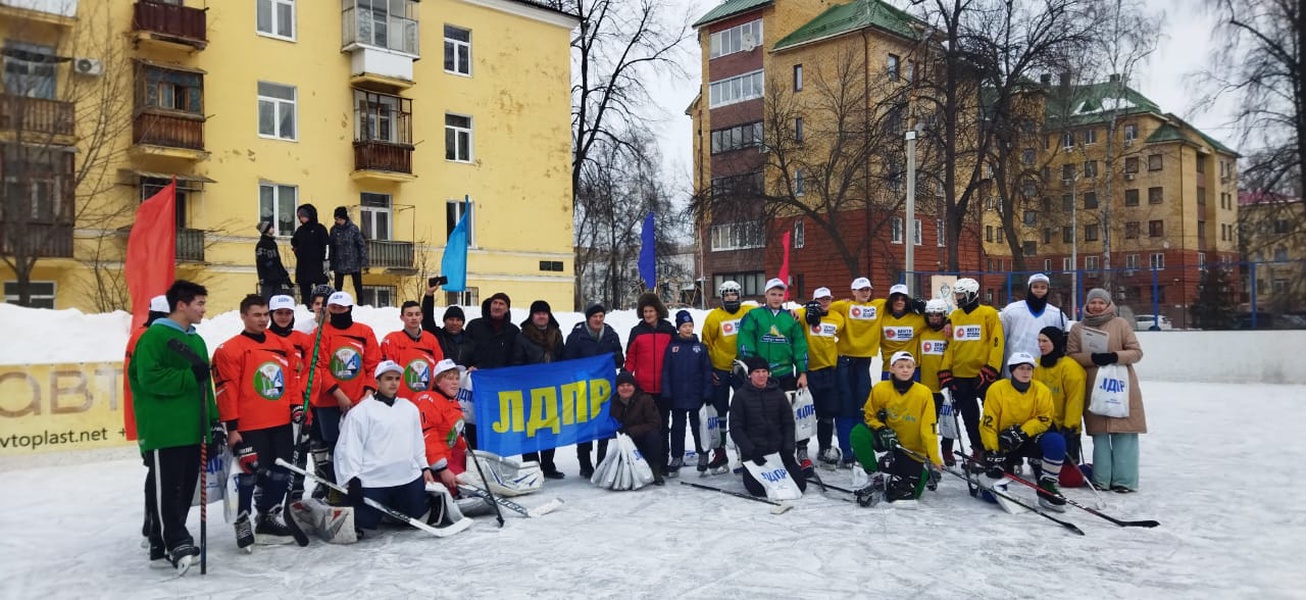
(494, 341)
(582, 343)
(348, 249)
(761, 421)
(686, 373)
(267, 261)
(646, 349)
(776, 336)
(458, 348)
(637, 416)
(536, 346)
(165, 395)
(1122, 341)
(310, 244)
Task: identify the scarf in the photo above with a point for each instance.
(1100, 319)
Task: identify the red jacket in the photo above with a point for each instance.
(441, 424)
(416, 356)
(346, 360)
(646, 351)
(254, 381)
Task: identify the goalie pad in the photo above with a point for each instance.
(507, 476)
(333, 524)
(444, 510)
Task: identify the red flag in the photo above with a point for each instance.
(784, 265)
(150, 268)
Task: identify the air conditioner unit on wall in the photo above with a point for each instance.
(88, 66)
(1130, 176)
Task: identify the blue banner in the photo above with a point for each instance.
(454, 262)
(648, 263)
(538, 407)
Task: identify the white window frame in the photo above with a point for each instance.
(917, 232)
(278, 105)
(738, 236)
(1092, 262)
(941, 230)
(457, 130)
(275, 20)
(1157, 261)
(1066, 265)
(460, 205)
(1047, 265)
(800, 233)
(798, 77)
(893, 67)
(731, 40)
(277, 189)
(800, 183)
(1068, 140)
(368, 213)
(459, 48)
(1130, 133)
(1090, 136)
(1131, 261)
(11, 298)
(375, 291)
(733, 90)
(895, 230)
(1201, 260)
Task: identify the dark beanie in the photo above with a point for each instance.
(540, 306)
(756, 362)
(1058, 339)
(454, 312)
(342, 213)
(594, 309)
(626, 377)
(500, 296)
(683, 317)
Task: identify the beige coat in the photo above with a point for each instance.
(1122, 341)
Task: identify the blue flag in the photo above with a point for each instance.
(648, 266)
(538, 407)
(454, 263)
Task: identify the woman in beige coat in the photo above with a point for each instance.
(1115, 440)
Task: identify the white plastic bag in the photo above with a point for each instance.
(641, 473)
(465, 398)
(775, 478)
(709, 428)
(218, 470)
(804, 415)
(1110, 392)
(948, 418)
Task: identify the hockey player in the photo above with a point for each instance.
(250, 372)
(381, 453)
(899, 326)
(637, 416)
(687, 383)
(414, 349)
(347, 355)
(282, 308)
(167, 389)
(823, 330)
(317, 304)
(1017, 416)
(856, 351)
(1065, 379)
(933, 342)
(720, 334)
(592, 338)
(899, 414)
(764, 424)
(442, 425)
(1024, 319)
(973, 358)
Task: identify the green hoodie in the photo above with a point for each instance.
(165, 395)
(776, 336)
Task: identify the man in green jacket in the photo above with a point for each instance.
(771, 332)
(167, 389)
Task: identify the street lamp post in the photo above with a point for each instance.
(909, 224)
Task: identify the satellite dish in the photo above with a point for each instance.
(749, 42)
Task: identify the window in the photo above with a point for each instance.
(892, 67)
(376, 216)
(1090, 233)
(740, 38)
(1028, 189)
(798, 78)
(1090, 200)
(800, 183)
(29, 70)
(151, 186)
(1029, 248)
(457, 50)
(1067, 140)
(1092, 262)
(1047, 265)
(551, 266)
(1280, 254)
(377, 296)
(1067, 202)
(1154, 195)
(1067, 172)
(911, 70)
(988, 233)
(1156, 228)
(748, 135)
(276, 18)
(1047, 235)
(1157, 260)
(457, 138)
(798, 130)
(382, 118)
(1201, 164)
(276, 111)
(1090, 169)
(916, 232)
(1067, 234)
(737, 185)
(1201, 260)
(171, 89)
(1066, 265)
(736, 89)
(738, 236)
(1281, 226)
(1131, 133)
(1279, 286)
(389, 24)
(1132, 229)
(1226, 169)
(1131, 197)
(1201, 231)
(1090, 137)
(800, 233)
(1002, 235)
(1154, 162)
(276, 203)
(36, 179)
(1201, 196)
(470, 297)
(453, 212)
(1131, 164)
(895, 230)
(1027, 156)
(41, 293)
(941, 231)
(1131, 261)
(751, 283)
(1031, 217)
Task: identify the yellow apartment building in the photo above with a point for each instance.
(1270, 238)
(408, 114)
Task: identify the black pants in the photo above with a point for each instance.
(651, 446)
(173, 473)
(584, 449)
(664, 412)
(306, 289)
(271, 480)
(966, 399)
(358, 284)
(756, 488)
(268, 290)
(544, 457)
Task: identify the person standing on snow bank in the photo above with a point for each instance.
(348, 251)
(900, 415)
(592, 338)
(764, 424)
(272, 276)
(310, 244)
(1024, 319)
(167, 390)
(687, 377)
(1115, 441)
(637, 416)
(1017, 420)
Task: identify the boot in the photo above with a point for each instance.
(869, 495)
(270, 530)
(586, 467)
(657, 478)
(702, 462)
(182, 556)
(244, 533)
(829, 458)
(899, 489)
(1049, 496)
(719, 459)
(673, 469)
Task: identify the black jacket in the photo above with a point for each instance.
(267, 261)
(535, 346)
(310, 244)
(761, 421)
(493, 345)
(348, 249)
(461, 349)
(581, 343)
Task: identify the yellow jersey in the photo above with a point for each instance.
(1004, 406)
(911, 416)
(861, 320)
(1066, 382)
(898, 334)
(931, 344)
(822, 340)
(976, 341)
(721, 336)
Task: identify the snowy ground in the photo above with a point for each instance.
(1229, 506)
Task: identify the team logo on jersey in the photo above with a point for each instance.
(346, 363)
(899, 333)
(968, 333)
(729, 328)
(825, 329)
(862, 313)
(774, 336)
(270, 380)
(417, 374)
(933, 347)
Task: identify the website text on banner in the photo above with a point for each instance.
(45, 408)
(537, 407)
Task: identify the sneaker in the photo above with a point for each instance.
(183, 555)
(244, 533)
(1049, 496)
(702, 462)
(869, 495)
(269, 530)
(719, 459)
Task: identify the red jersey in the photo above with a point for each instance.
(346, 360)
(416, 356)
(254, 381)
(302, 345)
(128, 413)
(441, 424)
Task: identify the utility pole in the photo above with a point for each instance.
(909, 224)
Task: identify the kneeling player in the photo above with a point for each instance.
(900, 420)
(1017, 415)
(442, 424)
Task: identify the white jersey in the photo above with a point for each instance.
(380, 444)
(1021, 327)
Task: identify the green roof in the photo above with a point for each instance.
(1166, 133)
(729, 8)
(853, 16)
(1217, 145)
(1095, 102)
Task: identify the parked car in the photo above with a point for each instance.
(1149, 323)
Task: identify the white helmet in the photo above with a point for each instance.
(937, 306)
(968, 287)
(729, 286)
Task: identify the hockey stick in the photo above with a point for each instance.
(447, 531)
(971, 487)
(1123, 523)
(498, 514)
(1067, 524)
(780, 507)
(297, 455)
(194, 359)
(538, 511)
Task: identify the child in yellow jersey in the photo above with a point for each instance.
(899, 415)
(823, 329)
(720, 335)
(857, 348)
(1017, 420)
(899, 326)
(973, 357)
(1065, 379)
(933, 342)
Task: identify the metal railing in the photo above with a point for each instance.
(365, 27)
(40, 239)
(383, 156)
(172, 20)
(190, 245)
(390, 254)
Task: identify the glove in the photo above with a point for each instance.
(813, 313)
(246, 458)
(217, 438)
(759, 460)
(355, 492)
(885, 439)
(987, 375)
(1011, 438)
(946, 381)
(995, 464)
(918, 305)
(1103, 359)
(297, 414)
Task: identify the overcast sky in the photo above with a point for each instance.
(1184, 48)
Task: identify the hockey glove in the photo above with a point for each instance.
(987, 375)
(886, 439)
(1012, 438)
(297, 414)
(355, 492)
(1103, 359)
(246, 458)
(759, 460)
(995, 464)
(946, 381)
(918, 305)
(812, 313)
(217, 438)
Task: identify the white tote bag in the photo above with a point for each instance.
(804, 415)
(709, 428)
(1110, 392)
(775, 478)
(641, 472)
(465, 398)
(947, 417)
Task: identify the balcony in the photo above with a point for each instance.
(395, 257)
(169, 25)
(43, 240)
(383, 137)
(54, 12)
(168, 133)
(190, 245)
(382, 44)
(381, 160)
(37, 119)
